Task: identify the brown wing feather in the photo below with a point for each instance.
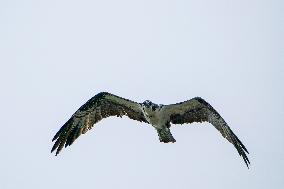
(100, 106)
(198, 110)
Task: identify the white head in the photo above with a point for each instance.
(149, 106)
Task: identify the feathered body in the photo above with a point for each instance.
(159, 116)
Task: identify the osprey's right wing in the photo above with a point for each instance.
(100, 106)
(198, 110)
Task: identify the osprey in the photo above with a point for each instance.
(159, 116)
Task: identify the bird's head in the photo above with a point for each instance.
(148, 105)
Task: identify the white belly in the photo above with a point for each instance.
(155, 119)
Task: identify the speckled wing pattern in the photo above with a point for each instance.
(198, 110)
(100, 106)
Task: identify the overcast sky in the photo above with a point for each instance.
(57, 54)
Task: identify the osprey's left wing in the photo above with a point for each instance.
(198, 110)
(100, 106)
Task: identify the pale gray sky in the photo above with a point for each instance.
(55, 55)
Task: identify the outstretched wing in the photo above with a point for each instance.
(198, 110)
(100, 106)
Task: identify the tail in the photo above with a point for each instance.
(165, 135)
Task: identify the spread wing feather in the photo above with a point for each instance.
(100, 106)
(198, 110)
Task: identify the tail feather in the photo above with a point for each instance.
(165, 135)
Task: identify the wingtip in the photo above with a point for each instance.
(53, 148)
(57, 152)
(51, 151)
(246, 160)
(247, 166)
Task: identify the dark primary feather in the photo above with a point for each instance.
(198, 110)
(100, 106)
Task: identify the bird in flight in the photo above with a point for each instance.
(160, 116)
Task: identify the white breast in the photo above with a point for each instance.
(155, 118)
